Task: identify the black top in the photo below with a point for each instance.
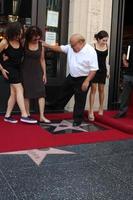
(11, 59)
(14, 57)
(101, 74)
(32, 73)
(102, 55)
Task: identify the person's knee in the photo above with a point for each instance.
(93, 90)
(101, 91)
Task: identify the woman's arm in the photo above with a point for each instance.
(3, 45)
(43, 65)
(108, 67)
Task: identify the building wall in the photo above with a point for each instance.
(88, 17)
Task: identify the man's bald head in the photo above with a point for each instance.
(77, 37)
(77, 42)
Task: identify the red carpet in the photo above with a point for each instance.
(124, 124)
(20, 136)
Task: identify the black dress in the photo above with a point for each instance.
(32, 74)
(12, 63)
(101, 74)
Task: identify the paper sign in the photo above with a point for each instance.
(52, 18)
(50, 37)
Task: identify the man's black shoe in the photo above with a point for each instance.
(120, 115)
(76, 123)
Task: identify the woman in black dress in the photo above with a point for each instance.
(34, 70)
(12, 53)
(100, 77)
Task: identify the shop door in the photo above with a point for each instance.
(116, 48)
(121, 36)
(53, 18)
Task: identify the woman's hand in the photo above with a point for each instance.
(44, 79)
(4, 73)
(5, 57)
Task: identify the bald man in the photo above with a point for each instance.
(82, 63)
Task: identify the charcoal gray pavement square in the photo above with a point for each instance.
(102, 171)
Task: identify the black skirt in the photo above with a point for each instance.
(14, 75)
(100, 77)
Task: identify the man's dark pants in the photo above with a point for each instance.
(72, 86)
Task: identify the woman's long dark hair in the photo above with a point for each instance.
(13, 30)
(31, 32)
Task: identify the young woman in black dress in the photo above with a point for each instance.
(99, 80)
(34, 71)
(12, 53)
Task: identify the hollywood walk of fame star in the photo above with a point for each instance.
(38, 155)
(64, 125)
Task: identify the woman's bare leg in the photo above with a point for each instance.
(20, 98)
(11, 101)
(27, 106)
(17, 95)
(101, 98)
(41, 102)
(91, 116)
(92, 97)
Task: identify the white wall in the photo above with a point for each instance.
(88, 17)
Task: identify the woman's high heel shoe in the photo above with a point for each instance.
(100, 112)
(91, 117)
(45, 120)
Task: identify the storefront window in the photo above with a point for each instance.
(14, 10)
(52, 17)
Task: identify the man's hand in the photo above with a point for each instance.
(85, 85)
(53, 47)
(86, 82)
(125, 63)
(44, 44)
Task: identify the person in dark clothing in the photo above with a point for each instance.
(99, 80)
(12, 53)
(127, 82)
(33, 71)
